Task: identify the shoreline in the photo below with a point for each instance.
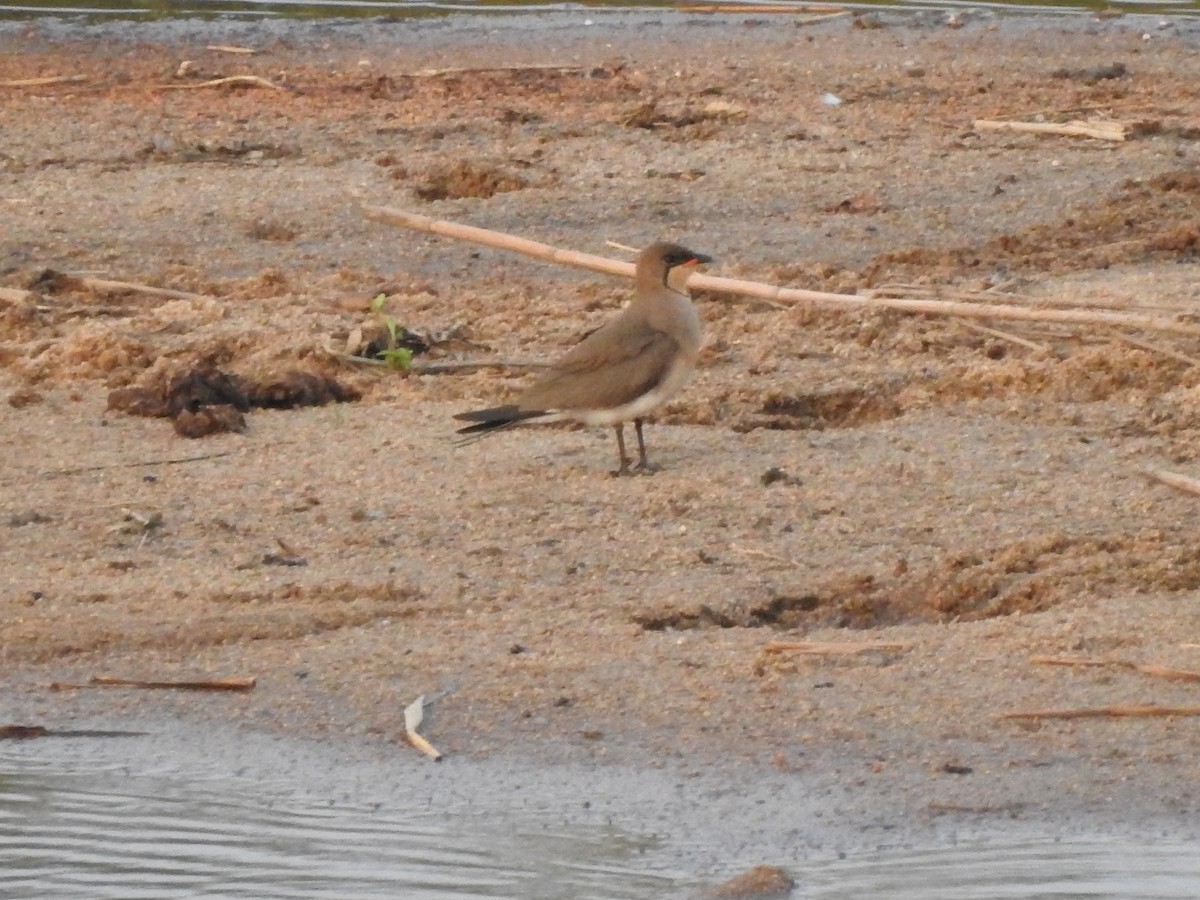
(711, 822)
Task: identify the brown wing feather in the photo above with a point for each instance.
(631, 362)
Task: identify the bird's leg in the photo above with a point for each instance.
(643, 464)
(623, 467)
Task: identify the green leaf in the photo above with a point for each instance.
(399, 358)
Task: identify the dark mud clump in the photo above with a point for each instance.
(203, 399)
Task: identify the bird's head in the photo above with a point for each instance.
(657, 260)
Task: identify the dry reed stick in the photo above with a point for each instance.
(1005, 336)
(40, 82)
(227, 48)
(944, 292)
(616, 245)
(1154, 669)
(1105, 131)
(1069, 661)
(102, 284)
(486, 237)
(1153, 347)
(1173, 479)
(1167, 672)
(247, 80)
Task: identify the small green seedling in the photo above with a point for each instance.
(399, 358)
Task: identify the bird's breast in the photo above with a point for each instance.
(676, 315)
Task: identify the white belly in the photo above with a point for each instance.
(638, 407)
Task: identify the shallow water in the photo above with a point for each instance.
(112, 836)
(1033, 871)
(82, 824)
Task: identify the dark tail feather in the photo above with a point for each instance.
(491, 420)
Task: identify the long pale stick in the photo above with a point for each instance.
(1105, 131)
(954, 308)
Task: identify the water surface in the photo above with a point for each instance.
(129, 819)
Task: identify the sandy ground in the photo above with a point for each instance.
(974, 500)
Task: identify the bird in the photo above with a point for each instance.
(621, 371)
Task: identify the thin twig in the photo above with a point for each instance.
(226, 48)
(1005, 336)
(762, 554)
(40, 82)
(833, 648)
(458, 365)
(220, 684)
(1106, 712)
(137, 465)
(1167, 672)
(759, 290)
(1069, 661)
(617, 246)
(103, 284)
(436, 368)
(246, 80)
(1153, 347)
(1154, 669)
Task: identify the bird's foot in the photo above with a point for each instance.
(629, 467)
(623, 470)
(644, 467)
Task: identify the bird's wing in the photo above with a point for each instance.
(604, 370)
